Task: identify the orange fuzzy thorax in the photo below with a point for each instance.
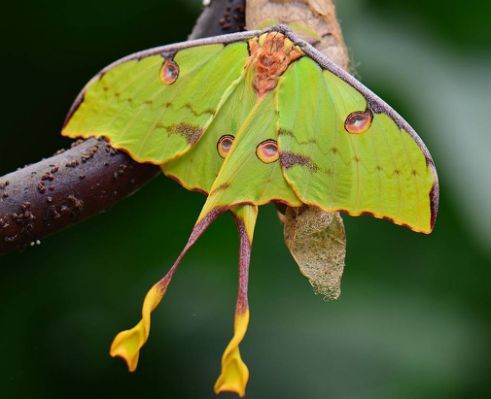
(270, 56)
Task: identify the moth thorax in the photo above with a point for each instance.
(270, 55)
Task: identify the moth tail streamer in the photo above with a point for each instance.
(127, 344)
(235, 374)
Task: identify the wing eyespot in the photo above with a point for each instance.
(225, 144)
(358, 122)
(267, 151)
(169, 72)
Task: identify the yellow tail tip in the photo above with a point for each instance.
(234, 378)
(235, 374)
(127, 345)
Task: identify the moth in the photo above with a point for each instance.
(248, 119)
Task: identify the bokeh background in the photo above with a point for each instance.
(414, 317)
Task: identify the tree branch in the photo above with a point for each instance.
(89, 178)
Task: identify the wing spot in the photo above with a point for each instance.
(334, 150)
(191, 133)
(267, 151)
(358, 122)
(289, 159)
(169, 72)
(225, 144)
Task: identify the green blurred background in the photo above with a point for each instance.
(414, 317)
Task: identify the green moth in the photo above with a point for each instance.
(252, 118)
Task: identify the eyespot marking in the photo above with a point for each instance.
(358, 122)
(267, 151)
(169, 72)
(225, 144)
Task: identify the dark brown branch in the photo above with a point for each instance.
(222, 16)
(43, 198)
(89, 178)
